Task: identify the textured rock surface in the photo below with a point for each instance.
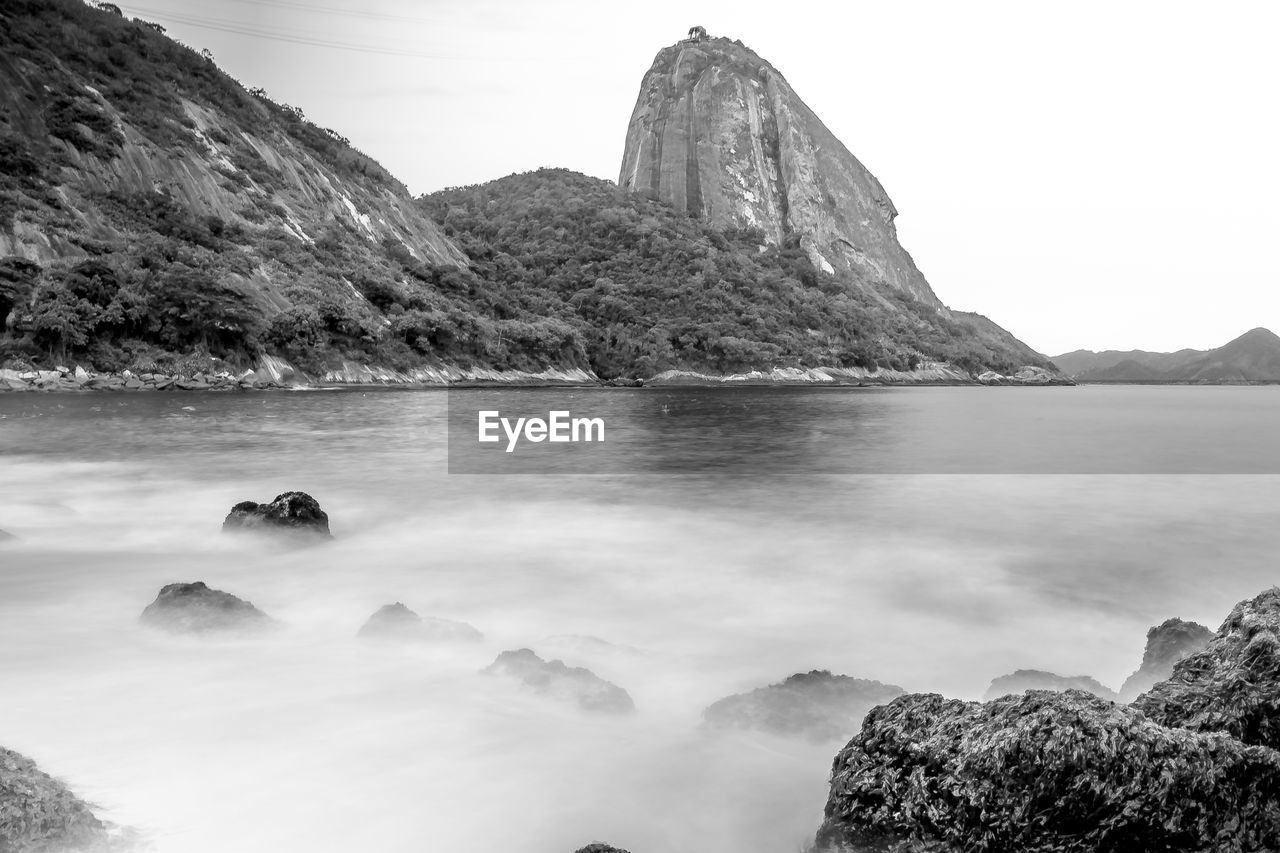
(554, 678)
(397, 622)
(1167, 643)
(814, 704)
(1190, 765)
(1034, 679)
(1233, 684)
(718, 132)
(294, 512)
(194, 608)
(1046, 771)
(597, 847)
(39, 813)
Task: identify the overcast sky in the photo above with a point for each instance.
(1089, 174)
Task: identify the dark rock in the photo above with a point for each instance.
(554, 678)
(1167, 643)
(815, 704)
(397, 622)
(1232, 685)
(1190, 765)
(194, 608)
(39, 813)
(1033, 679)
(295, 512)
(1045, 771)
(597, 847)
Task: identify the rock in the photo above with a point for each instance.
(292, 512)
(1190, 765)
(597, 847)
(397, 622)
(195, 608)
(81, 374)
(815, 704)
(1232, 685)
(39, 813)
(1167, 643)
(1034, 679)
(1043, 771)
(554, 678)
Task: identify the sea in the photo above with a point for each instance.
(717, 540)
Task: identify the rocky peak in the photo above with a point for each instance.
(718, 132)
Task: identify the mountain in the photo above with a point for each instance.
(718, 132)
(1252, 357)
(157, 215)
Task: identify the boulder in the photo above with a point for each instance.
(816, 705)
(1190, 765)
(597, 847)
(1033, 679)
(1232, 685)
(397, 622)
(39, 813)
(195, 608)
(293, 512)
(1044, 771)
(554, 678)
(1167, 643)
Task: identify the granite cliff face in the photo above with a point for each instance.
(718, 132)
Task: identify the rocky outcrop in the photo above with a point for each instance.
(1191, 765)
(1167, 643)
(816, 705)
(1232, 685)
(194, 608)
(597, 847)
(719, 133)
(1023, 680)
(39, 814)
(397, 622)
(555, 679)
(1042, 771)
(291, 512)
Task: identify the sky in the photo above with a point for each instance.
(1090, 175)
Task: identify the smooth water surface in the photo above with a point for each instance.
(733, 548)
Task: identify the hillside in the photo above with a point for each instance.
(154, 211)
(1252, 357)
(648, 289)
(156, 215)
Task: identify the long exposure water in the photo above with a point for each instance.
(933, 538)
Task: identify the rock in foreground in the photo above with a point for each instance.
(554, 678)
(194, 608)
(1045, 771)
(291, 512)
(1232, 685)
(597, 847)
(1167, 643)
(815, 704)
(397, 622)
(39, 813)
(1033, 679)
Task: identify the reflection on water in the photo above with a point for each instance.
(741, 552)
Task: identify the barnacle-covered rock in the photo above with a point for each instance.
(39, 813)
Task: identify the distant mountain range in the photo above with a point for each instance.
(1252, 357)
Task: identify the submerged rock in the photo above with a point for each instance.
(1045, 771)
(1033, 679)
(814, 704)
(397, 622)
(1190, 765)
(1167, 643)
(194, 608)
(294, 512)
(1232, 685)
(554, 678)
(39, 813)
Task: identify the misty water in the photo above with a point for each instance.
(933, 538)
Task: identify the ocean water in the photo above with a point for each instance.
(933, 538)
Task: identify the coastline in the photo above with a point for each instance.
(273, 373)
